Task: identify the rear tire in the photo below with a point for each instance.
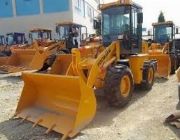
(118, 85)
(173, 63)
(148, 77)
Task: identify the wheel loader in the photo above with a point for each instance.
(65, 101)
(28, 59)
(70, 40)
(74, 39)
(11, 40)
(42, 36)
(163, 48)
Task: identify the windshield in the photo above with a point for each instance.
(116, 20)
(35, 35)
(40, 35)
(163, 33)
(10, 39)
(63, 32)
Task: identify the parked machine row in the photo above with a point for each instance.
(60, 96)
(63, 99)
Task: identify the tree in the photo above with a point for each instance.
(161, 17)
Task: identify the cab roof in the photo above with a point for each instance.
(119, 3)
(163, 23)
(68, 24)
(40, 30)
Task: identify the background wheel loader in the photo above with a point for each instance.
(30, 57)
(42, 36)
(69, 40)
(11, 40)
(163, 48)
(65, 102)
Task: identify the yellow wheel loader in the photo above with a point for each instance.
(64, 100)
(70, 40)
(74, 35)
(27, 59)
(42, 36)
(163, 48)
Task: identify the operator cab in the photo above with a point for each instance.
(122, 20)
(15, 39)
(40, 34)
(163, 32)
(73, 34)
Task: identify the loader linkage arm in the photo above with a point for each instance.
(94, 65)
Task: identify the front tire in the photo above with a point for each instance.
(118, 85)
(148, 77)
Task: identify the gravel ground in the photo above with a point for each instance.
(142, 119)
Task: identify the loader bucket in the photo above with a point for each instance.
(163, 64)
(3, 60)
(61, 64)
(38, 60)
(18, 61)
(60, 103)
(21, 57)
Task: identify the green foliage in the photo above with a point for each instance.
(161, 17)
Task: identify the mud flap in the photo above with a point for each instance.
(60, 103)
(163, 64)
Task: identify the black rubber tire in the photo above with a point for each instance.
(146, 85)
(173, 63)
(112, 83)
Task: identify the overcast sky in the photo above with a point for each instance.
(152, 8)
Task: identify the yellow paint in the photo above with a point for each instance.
(125, 86)
(29, 58)
(136, 64)
(66, 103)
(161, 54)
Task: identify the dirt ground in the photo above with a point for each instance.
(142, 119)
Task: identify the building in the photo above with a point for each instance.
(23, 15)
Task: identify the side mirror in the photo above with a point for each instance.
(30, 35)
(97, 24)
(57, 29)
(140, 18)
(177, 30)
(149, 32)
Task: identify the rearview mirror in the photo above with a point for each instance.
(140, 18)
(57, 29)
(177, 30)
(30, 35)
(97, 24)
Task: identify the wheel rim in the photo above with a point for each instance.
(125, 86)
(150, 75)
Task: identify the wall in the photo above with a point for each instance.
(30, 16)
(6, 7)
(84, 11)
